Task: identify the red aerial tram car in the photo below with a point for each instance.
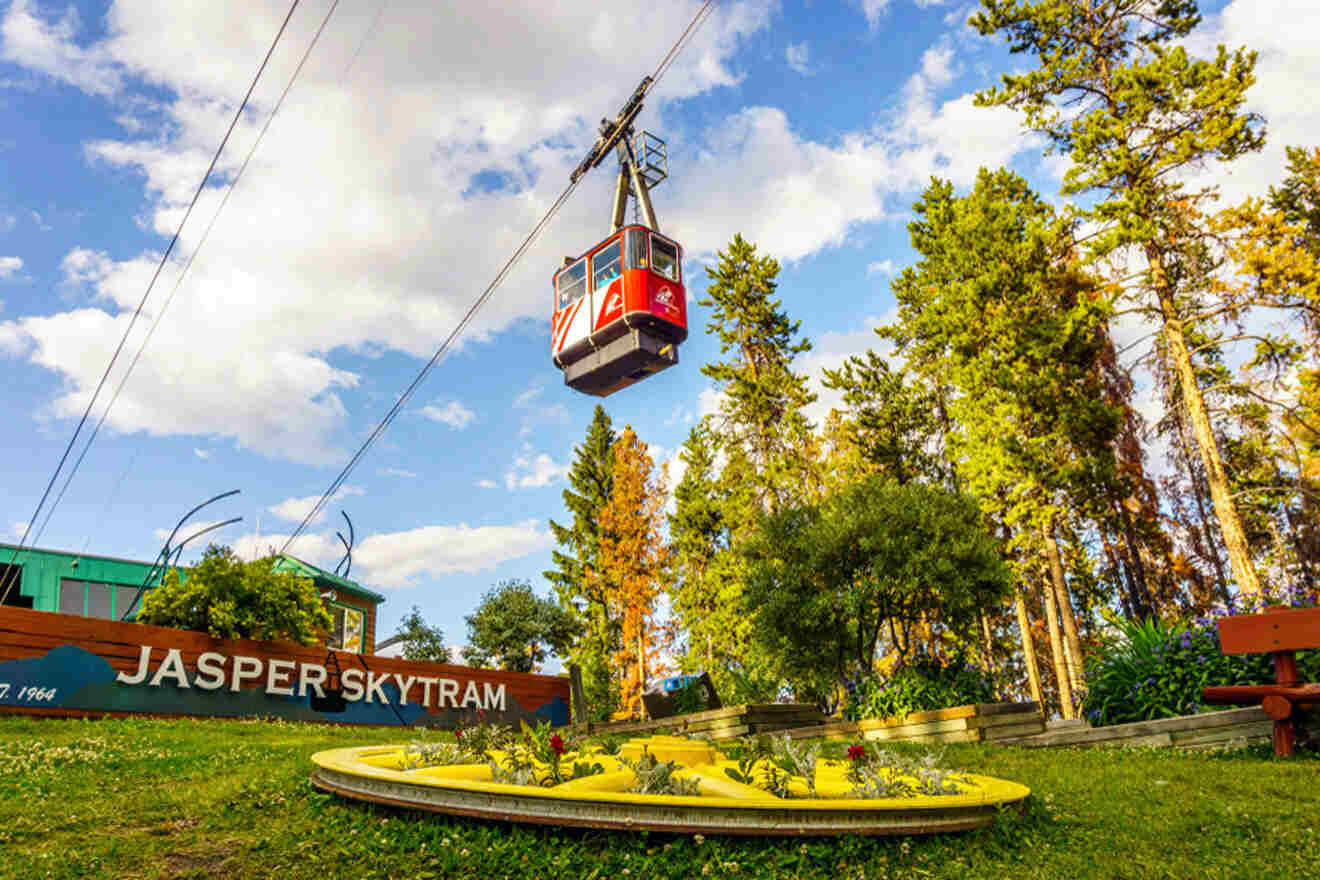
(619, 311)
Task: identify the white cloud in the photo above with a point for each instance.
(395, 472)
(13, 341)
(525, 398)
(1287, 79)
(797, 57)
(386, 225)
(874, 10)
(192, 528)
(203, 454)
(296, 509)
(680, 416)
(398, 559)
(319, 549)
(882, 267)
(16, 529)
(9, 265)
(453, 414)
(487, 484)
(533, 471)
(50, 48)
(794, 197)
(708, 402)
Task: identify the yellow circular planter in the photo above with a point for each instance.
(721, 805)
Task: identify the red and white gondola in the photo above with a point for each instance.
(620, 311)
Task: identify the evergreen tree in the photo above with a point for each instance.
(1139, 111)
(760, 427)
(700, 540)
(590, 481)
(894, 419)
(996, 308)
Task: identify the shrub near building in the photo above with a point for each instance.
(231, 599)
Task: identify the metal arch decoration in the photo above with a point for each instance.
(347, 561)
(169, 554)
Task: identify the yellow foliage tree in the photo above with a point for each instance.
(633, 561)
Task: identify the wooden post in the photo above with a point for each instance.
(579, 697)
(1285, 673)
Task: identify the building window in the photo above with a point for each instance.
(93, 599)
(11, 587)
(346, 629)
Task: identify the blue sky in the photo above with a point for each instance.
(408, 162)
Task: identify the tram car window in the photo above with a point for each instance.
(606, 265)
(665, 256)
(634, 252)
(572, 283)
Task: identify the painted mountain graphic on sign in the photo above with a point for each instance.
(83, 681)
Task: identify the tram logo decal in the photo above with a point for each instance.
(666, 298)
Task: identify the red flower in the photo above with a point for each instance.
(458, 734)
(856, 752)
(557, 743)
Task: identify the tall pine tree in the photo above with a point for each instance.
(760, 426)
(1139, 112)
(590, 480)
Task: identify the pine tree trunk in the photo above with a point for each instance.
(1125, 588)
(1072, 645)
(1057, 652)
(987, 653)
(1230, 525)
(1028, 649)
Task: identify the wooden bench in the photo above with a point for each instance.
(1278, 631)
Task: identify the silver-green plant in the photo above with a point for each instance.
(799, 760)
(657, 777)
(883, 774)
(517, 768)
(420, 753)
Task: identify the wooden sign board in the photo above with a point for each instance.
(65, 665)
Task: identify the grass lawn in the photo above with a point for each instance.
(185, 798)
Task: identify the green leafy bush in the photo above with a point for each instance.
(921, 684)
(231, 599)
(1157, 670)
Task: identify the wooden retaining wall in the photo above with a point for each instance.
(1231, 728)
(66, 665)
(983, 722)
(727, 723)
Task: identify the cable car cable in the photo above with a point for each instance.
(697, 20)
(178, 281)
(27, 529)
(444, 346)
(693, 26)
(357, 52)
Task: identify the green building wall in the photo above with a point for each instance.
(43, 570)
